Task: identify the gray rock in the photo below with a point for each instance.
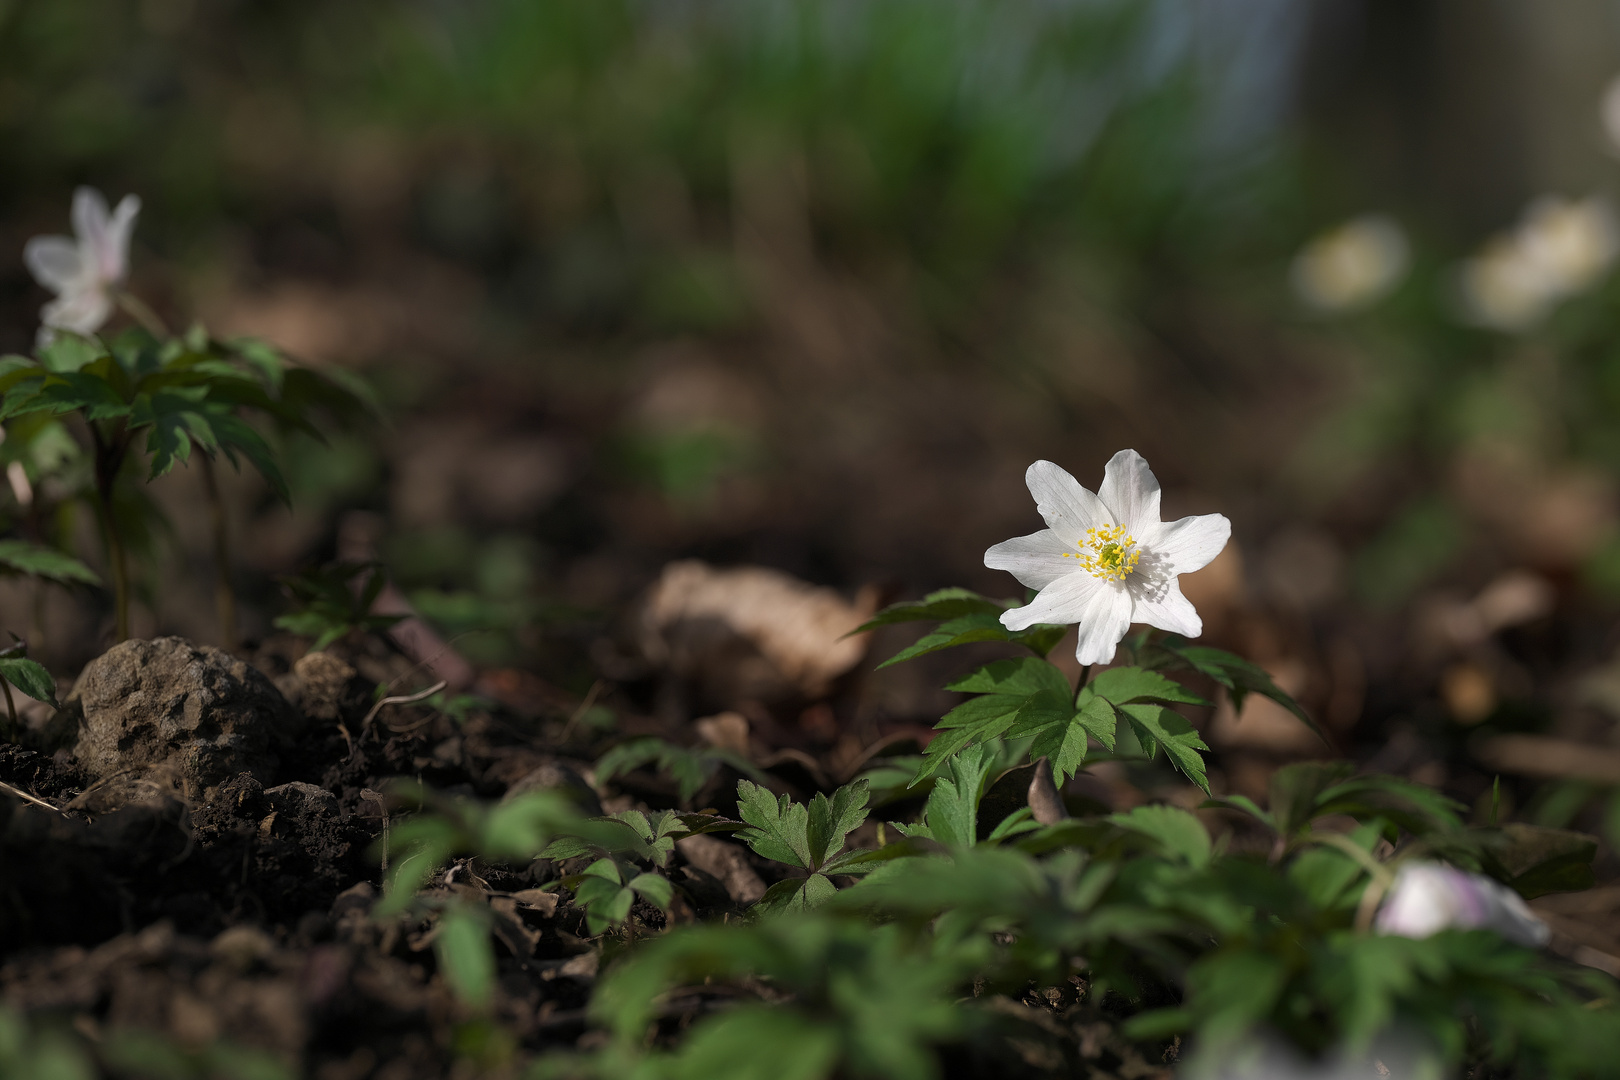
(193, 710)
(323, 687)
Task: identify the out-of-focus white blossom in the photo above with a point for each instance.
(1106, 560)
(1428, 897)
(1611, 113)
(84, 272)
(1353, 265)
(1562, 247)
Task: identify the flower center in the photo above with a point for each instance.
(1107, 553)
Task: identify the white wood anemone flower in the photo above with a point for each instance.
(1106, 560)
(84, 272)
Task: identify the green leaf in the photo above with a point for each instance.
(829, 822)
(1155, 725)
(1535, 860)
(1098, 720)
(952, 811)
(1177, 832)
(466, 956)
(1021, 676)
(45, 562)
(943, 605)
(1239, 676)
(236, 437)
(964, 630)
(732, 1045)
(796, 896)
(654, 889)
(778, 827)
(30, 677)
(1296, 791)
(1133, 685)
(67, 352)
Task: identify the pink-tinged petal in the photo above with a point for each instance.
(1067, 600)
(1068, 509)
(1130, 491)
(1104, 624)
(83, 312)
(113, 259)
(1035, 560)
(1167, 609)
(1189, 543)
(54, 261)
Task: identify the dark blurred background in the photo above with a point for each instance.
(807, 284)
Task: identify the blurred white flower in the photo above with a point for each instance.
(1352, 266)
(1428, 897)
(1106, 560)
(1560, 248)
(1611, 112)
(84, 272)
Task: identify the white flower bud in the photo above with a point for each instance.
(1429, 897)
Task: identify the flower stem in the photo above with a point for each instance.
(1085, 677)
(109, 456)
(224, 595)
(143, 314)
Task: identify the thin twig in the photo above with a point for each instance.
(402, 699)
(584, 707)
(25, 797)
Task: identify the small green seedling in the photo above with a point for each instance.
(335, 600)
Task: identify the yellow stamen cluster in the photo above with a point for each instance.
(1107, 553)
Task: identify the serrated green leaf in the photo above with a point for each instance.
(1134, 685)
(797, 896)
(778, 827)
(964, 630)
(952, 811)
(237, 437)
(1099, 720)
(1157, 726)
(990, 720)
(829, 821)
(1240, 677)
(942, 605)
(1064, 746)
(1020, 676)
(1046, 711)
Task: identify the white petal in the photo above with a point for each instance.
(90, 218)
(1130, 491)
(1188, 544)
(1068, 509)
(1035, 560)
(1167, 609)
(1104, 624)
(112, 259)
(1069, 599)
(83, 312)
(53, 260)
